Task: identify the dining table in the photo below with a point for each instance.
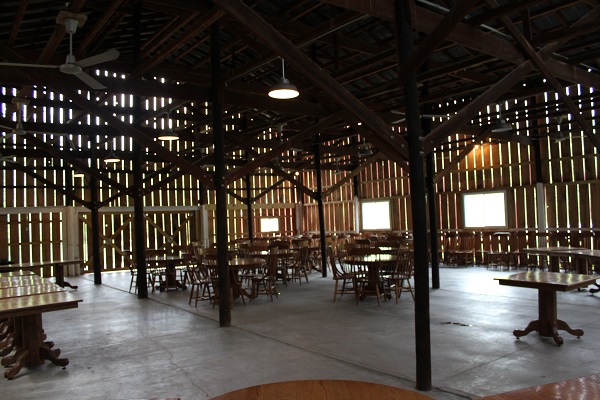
(322, 389)
(547, 284)
(169, 262)
(374, 264)
(238, 266)
(58, 268)
(23, 299)
(554, 252)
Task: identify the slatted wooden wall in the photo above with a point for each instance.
(569, 175)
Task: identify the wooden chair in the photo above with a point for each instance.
(132, 265)
(500, 254)
(266, 280)
(300, 265)
(347, 278)
(200, 283)
(404, 271)
(211, 263)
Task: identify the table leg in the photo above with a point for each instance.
(59, 272)
(171, 279)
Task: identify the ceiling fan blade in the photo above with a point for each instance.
(9, 64)
(91, 82)
(108, 55)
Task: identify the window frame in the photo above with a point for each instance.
(486, 192)
(389, 215)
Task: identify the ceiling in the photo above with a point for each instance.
(459, 60)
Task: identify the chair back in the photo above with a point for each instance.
(337, 273)
(405, 266)
(271, 265)
(129, 262)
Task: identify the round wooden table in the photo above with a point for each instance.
(322, 390)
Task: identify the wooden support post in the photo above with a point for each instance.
(417, 194)
(317, 152)
(139, 230)
(220, 189)
(95, 228)
(248, 180)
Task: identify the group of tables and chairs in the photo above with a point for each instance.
(372, 268)
(254, 269)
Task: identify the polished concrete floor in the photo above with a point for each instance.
(120, 347)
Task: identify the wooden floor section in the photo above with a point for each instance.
(587, 387)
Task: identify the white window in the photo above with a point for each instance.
(482, 210)
(376, 215)
(269, 225)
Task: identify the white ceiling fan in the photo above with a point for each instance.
(71, 66)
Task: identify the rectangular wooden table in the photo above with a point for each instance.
(553, 253)
(22, 302)
(547, 284)
(57, 265)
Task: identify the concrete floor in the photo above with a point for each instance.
(120, 347)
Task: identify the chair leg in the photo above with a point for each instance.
(192, 293)
(335, 291)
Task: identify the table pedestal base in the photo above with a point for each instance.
(549, 329)
(30, 348)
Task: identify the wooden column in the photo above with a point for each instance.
(95, 220)
(317, 152)
(417, 194)
(431, 198)
(139, 229)
(220, 189)
(248, 181)
(433, 227)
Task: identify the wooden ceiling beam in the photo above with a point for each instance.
(74, 161)
(379, 134)
(433, 39)
(263, 159)
(545, 70)
(467, 36)
(492, 94)
(52, 185)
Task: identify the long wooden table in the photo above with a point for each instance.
(322, 390)
(57, 265)
(547, 284)
(553, 253)
(23, 299)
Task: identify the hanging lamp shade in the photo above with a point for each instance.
(283, 89)
(111, 158)
(502, 126)
(168, 135)
(365, 151)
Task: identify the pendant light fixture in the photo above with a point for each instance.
(283, 89)
(111, 158)
(168, 134)
(502, 125)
